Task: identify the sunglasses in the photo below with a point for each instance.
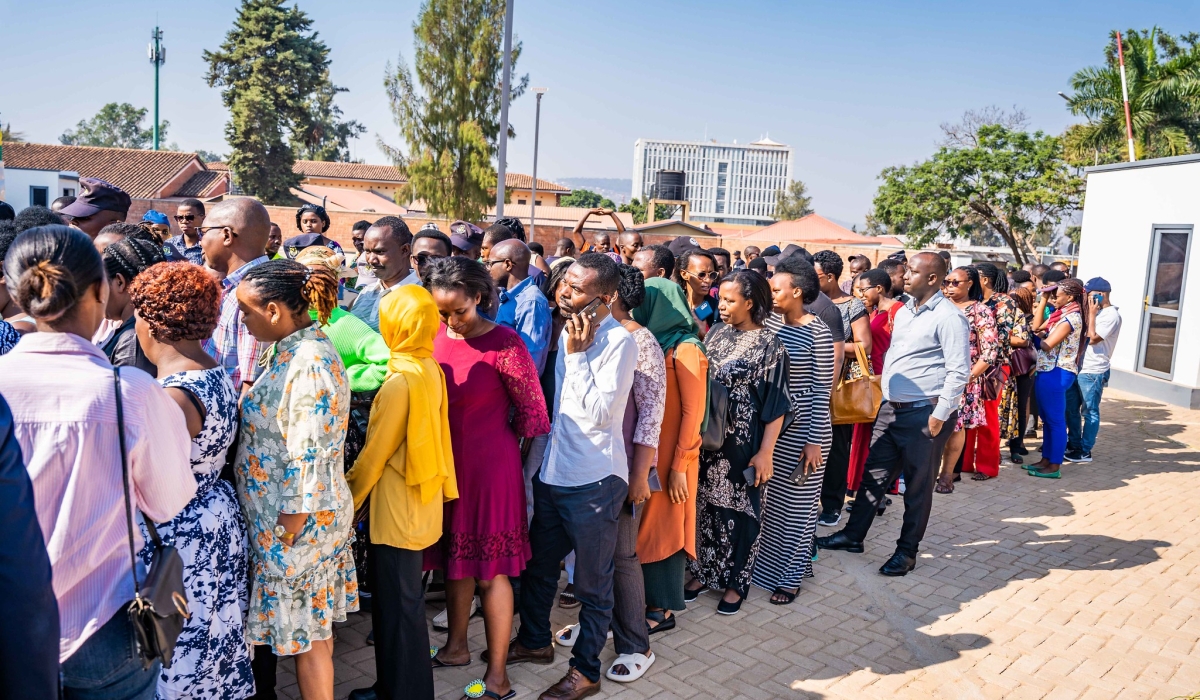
(424, 259)
(705, 275)
(953, 283)
(186, 217)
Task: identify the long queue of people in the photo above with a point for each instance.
(312, 435)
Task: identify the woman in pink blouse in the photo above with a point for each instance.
(60, 387)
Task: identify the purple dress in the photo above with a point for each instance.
(485, 530)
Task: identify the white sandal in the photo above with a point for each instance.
(566, 636)
(636, 664)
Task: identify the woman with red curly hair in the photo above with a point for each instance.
(175, 307)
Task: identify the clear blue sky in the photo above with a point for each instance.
(852, 86)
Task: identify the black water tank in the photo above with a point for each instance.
(671, 184)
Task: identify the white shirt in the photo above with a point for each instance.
(1098, 357)
(60, 389)
(587, 443)
(366, 304)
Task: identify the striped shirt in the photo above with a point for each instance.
(231, 344)
(60, 389)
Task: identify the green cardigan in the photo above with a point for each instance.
(363, 351)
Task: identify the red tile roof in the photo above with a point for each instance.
(201, 184)
(813, 228)
(140, 173)
(519, 181)
(338, 171)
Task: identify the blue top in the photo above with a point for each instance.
(930, 355)
(193, 254)
(525, 310)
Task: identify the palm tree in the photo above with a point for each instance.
(10, 136)
(1164, 99)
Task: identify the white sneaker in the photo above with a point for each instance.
(441, 621)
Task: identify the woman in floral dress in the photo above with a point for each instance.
(293, 493)
(962, 287)
(176, 307)
(749, 361)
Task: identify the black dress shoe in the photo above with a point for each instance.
(899, 565)
(362, 694)
(839, 540)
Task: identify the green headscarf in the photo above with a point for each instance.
(666, 313)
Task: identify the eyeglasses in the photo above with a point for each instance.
(186, 217)
(488, 263)
(205, 229)
(953, 283)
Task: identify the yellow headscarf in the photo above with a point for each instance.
(408, 322)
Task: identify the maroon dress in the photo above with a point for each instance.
(485, 531)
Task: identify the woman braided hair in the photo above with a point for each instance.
(294, 286)
(127, 258)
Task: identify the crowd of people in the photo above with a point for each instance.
(458, 415)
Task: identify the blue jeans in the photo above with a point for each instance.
(108, 666)
(1052, 389)
(1083, 407)
(583, 518)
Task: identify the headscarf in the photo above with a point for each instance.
(408, 322)
(666, 313)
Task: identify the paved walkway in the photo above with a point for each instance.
(1086, 587)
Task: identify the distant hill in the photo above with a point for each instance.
(614, 188)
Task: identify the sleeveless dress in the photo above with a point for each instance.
(212, 659)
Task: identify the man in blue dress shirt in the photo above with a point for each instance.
(523, 307)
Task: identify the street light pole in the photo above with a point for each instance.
(1125, 96)
(502, 155)
(537, 126)
(158, 56)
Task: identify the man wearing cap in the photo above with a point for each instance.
(159, 224)
(100, 204)
(467, 239)
(523, 307)
(1083, 397)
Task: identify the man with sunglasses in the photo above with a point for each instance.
(188, 216)
(523, 307)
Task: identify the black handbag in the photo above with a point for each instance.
(992, 382)
(160, 606)
(715, 427)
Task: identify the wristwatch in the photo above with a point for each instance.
(284, 536)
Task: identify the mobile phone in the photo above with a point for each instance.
(1097, 298)
(749, 474)
(799, 475)
(591, 308)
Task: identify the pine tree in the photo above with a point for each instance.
(793, 202)
(451, 125)
(273, 68)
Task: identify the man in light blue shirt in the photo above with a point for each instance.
(523, 307)
(582, 486)
(924, 374)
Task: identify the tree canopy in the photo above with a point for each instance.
(1163, 74)
(449, 113)
(586, 199)
(274, 74)
(793, 202)
(1014, 184)
(116, 125)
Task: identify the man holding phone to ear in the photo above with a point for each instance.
(1083, 398)
(582, 485)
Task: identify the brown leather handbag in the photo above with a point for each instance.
(856, 399)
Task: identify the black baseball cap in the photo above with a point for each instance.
(295, 244)
(97, 196)
(681, 245)
(789, 250)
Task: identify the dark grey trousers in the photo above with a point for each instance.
(630, 634)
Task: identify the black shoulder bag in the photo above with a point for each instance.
(160, 607)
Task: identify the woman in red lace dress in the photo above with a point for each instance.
(489, 372)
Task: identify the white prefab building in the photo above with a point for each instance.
(724, 182)
(1139, 224)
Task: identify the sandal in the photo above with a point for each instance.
(636, 664)
(943, 486)
(979, 476)
(478, 689)
(438, 663)
(662, 622)
(567, 599)
(788, 597)
(567, 636)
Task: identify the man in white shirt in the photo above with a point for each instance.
(583, 482)
(1083, 398)
(387, 250)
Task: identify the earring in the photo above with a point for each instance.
(274, 321)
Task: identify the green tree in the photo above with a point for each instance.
(1013, 184)
(272, 69)
(7, 134)
(586, 199)
(1163, 74)
(209, 156)
(449, 116)
(638, 209)
(325, 136)
(115, 126)
(793, 202)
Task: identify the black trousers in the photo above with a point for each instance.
(402, 668)
(264, 666)
(584, 519)
(901, 445)
(837, 467)
(1024, 399)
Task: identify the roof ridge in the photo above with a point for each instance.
(100, 148)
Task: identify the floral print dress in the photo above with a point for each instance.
(985, 345)
(753, 366)
(290, 461)
(1010, 322)
(212, 659)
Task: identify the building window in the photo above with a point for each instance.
(522, 201)
(68, 192)
(39, 196)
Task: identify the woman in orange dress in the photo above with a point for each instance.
(667, 536)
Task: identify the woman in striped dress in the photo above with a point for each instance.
(789, 519)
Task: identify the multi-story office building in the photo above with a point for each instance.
(724, 182)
